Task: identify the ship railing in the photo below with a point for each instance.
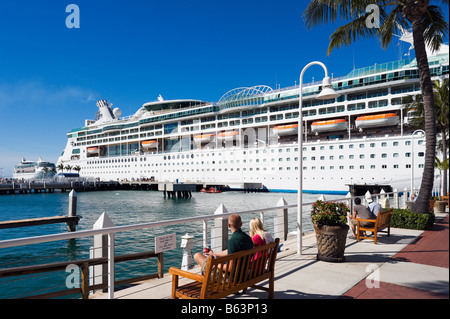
(283, 215)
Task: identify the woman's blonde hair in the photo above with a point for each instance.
(256, 227)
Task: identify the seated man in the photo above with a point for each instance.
(239, 241)
(360, 211)
(374, 207)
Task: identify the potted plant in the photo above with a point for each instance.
(330, 225)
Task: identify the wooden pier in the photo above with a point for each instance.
(50, 187)
(71, 219)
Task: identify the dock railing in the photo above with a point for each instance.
(218, 234)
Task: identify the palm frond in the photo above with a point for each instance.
(349, 32)
(435, 26)
(324, 11)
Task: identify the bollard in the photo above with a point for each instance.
(99, 273)
(72, 211)
(396, 199)
(219, 233)
(187, 243)
(281, 221)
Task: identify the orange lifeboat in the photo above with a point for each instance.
(227, 136)
(203, 138)
(149, 144)
(288, 129)
(329, 125)
(376, 120)
(92, 150)
(211, 190)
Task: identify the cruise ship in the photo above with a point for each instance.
(251, 135)
(31, 170)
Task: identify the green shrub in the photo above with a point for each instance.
(403, 218)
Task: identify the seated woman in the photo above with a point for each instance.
(259, 235)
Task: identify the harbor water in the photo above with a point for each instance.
(123, 208)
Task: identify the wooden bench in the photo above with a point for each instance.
(383, 221)
(229, 274)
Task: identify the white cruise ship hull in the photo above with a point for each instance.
(250, 136)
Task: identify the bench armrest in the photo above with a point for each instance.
(365, 220)
(186, 274)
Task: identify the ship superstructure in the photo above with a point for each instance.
(250, 135)
(34, 170)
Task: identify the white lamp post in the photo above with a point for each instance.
(327, 93)
(412, 160)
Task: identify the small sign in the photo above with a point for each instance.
(165, 243)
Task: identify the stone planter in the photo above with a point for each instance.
(439, 206)
(331, 242)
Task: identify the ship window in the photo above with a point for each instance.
(395, 155)
(372, 144)
(384, 144)
(384, 155)
(421, 154)
(408, 154)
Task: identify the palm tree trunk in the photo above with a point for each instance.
(422, 203)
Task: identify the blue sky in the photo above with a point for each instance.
(129, 52)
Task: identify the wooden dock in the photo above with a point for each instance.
(39, 221)
(50, 187)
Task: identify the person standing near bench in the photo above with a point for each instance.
(239, 241)
(360, 211)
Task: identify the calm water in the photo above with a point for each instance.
(124, 208)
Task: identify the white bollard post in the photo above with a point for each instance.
(99, 273)
(219, 233)
(281, 221)
(187, 243)
(396, 199)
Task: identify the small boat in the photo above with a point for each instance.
(329, 126)
(92, 150)
(227, 136)
(149, 144)
(203, 138)
(288, 129)
(368, 121)
(210, 190)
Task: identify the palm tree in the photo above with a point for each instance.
(60, 167)
(77, 168)
(428, 24)
(68, 168)
(441, 96)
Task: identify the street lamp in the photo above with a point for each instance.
(327, 93)
(412, 159)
